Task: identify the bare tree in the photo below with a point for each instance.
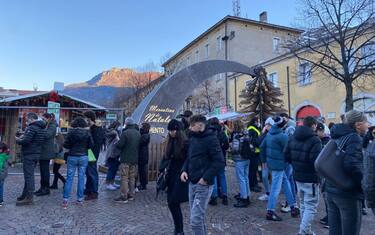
(338, 42)
(207, 97)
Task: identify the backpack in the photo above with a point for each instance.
(241, 145)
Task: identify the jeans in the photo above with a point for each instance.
(80, 163)
(344, 215)
(242, 172)
(279, 179)
(44, 173)
(128, 174)
(265, 179)
(220, 182)
(292, 183)
(143, 174)
(1, 191)
(113, 165)
(57, 175)
(199, 196)
(92, 178)
(309, 201)
(29, 163)
(178, 220)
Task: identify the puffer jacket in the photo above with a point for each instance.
(369, 174)
(272, 149)
(48, 148)
(223, 139)
(352, 162)
(301, 151)
(33, 138)
(78, 141)
(205, 157)
(129, 145)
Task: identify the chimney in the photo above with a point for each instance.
(263, 17)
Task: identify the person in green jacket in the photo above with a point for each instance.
(4, 157)
(129, 146)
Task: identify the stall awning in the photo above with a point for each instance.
(228, 116)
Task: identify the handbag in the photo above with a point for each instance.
(59, 159)
(330, 164)
(161, 183)
(91, 156)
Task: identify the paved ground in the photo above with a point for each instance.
(143, 216)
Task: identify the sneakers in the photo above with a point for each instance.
(237, 196)
(324, 221)
(285, 209)
(272, 216)
(130, 198)
(264, 197)
(294, 212)
(65, 204)
(213, 201)
(111, 187)
(1, 203)
(225, 200)
(42, 192)
(116, 185)
(122, 200)
(242, 203)
(53, 186)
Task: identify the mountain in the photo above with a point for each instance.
(104, 87)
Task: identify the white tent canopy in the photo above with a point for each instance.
(228, 116)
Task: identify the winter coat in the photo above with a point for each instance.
(78, 141)
(259, 143)
(98, 136)
(48, 148)
(369, 174)
(33, 138)
(301, 151)
(352, 162)
(272, 149)
(143, 149)
(325, 140)
(205, 157)
(129, 145)
(177, 191)
(112, 151)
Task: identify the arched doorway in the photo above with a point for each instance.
(305, 111)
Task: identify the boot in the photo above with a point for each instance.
(213, 201)
(38, 191)
(20, 198)
(43, 192)
(54, 186)
(241, 203)
(28, 200)
(225, 200)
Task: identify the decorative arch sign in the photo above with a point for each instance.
(163, 103)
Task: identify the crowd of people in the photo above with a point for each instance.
(280, 156)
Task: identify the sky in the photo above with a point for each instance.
(70, 41)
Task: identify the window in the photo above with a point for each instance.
(272, 77)
(276, 45)
(304, 74)
(207, 48)
(196, 56)
(218, 43)
(368, 53)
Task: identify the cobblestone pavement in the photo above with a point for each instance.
(145, 215)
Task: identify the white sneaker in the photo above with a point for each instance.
(111, 187)
(116, 185)
(264, 197)
(285, 209)
(136, 190)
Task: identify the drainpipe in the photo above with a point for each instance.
(226, 58)
(235, 94)
(288, 85)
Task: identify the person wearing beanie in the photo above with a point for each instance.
(128, 144)
(345, 206)
(272, 152)
(254, 133)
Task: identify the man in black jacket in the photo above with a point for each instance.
(302, 150)
(205, 160)
(31, 143)
(345, 206)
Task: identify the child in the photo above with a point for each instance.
(4, 156)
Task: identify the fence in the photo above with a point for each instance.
(156, 153)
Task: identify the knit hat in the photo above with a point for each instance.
(279, 121)
(129, 121)
(269, 121)
(354, 116)
(174, 125)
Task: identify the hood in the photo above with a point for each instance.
(340, 130)
(131, 126)
(275, 130)
(303, 133)
(79, 134)
(217, 128)
(40, 123)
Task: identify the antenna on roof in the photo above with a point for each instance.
(35, 87)
(236, 8)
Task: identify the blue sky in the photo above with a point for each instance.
(42, 41)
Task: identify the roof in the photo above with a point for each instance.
(233, 18)
(15, 98)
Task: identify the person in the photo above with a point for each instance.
(48, 152)
(369, 168)
(92, 176)
(177, 191)
(78, 142)
(112, 156)
(220, 180)
(59, 152)
(320, 131)
(265, 172)
(143, 156)
(345, 206)
(204, 161)
(241, 154)
(185, 121)
(129, 146)
(301, 151)
(271, 151)
(4, 165)
(31, 148)
(254, 133)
